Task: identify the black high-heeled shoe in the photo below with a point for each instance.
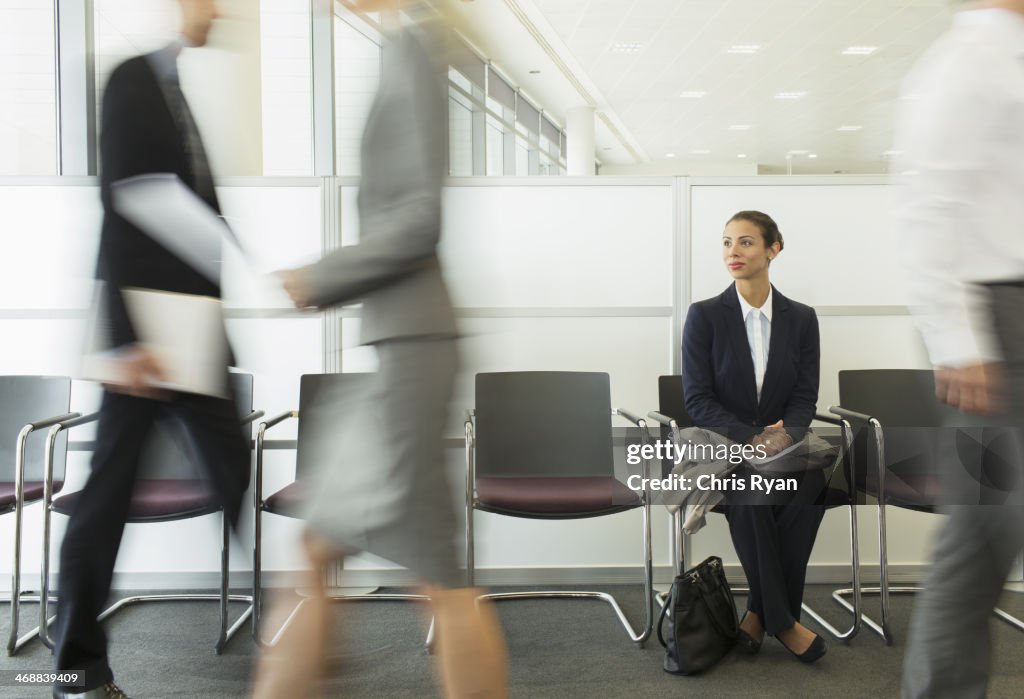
(814, 652)
(747, 642)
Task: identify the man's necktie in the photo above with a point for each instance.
(198, 163)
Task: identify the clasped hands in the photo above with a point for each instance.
(772, 439)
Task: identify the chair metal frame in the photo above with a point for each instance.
(639, 638)
(678, 547)
(884, 589)
(259, 506)
(223, 596)
(14, 643)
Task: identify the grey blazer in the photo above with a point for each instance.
(394, 268)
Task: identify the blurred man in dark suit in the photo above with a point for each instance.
(147, 127)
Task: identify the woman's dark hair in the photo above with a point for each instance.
(769, 229)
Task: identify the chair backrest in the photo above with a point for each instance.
(671, 401)
(325, 400)
(904, 402)
(543, 423)
(27, 399)
(166, 455)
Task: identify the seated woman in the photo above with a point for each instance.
(750, 373)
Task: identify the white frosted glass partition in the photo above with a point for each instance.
(46, 346)
(633, 351)
(286, 87)
(840, 246)
(897, 345)
(48, 235)
(28, 137)
(277, 352)
(349, 215)
(280, 227)
(543, 245)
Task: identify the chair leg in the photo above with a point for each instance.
(638, 638)
(12, 641)
(855, 609)
(44, 581)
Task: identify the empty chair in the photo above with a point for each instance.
(291, 500)
(539, 445)
(896, 419)
(28, 404)
(168, 487)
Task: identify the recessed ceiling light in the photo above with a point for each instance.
(790, 95)
(850, 127)
(692, 94)
(859, 50)
(701, 151)
(812, 155)
(627, 47)
(670, 155)
(740, 127)
(742, 155)
(744, 48)
(797, 152)
(892, 153)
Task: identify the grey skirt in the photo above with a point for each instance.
(381, 485)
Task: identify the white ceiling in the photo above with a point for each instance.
(683, 45)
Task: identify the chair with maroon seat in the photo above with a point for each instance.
(539, 445)
(27, 405)
(290, 500)
(895, 417)
(169, 487)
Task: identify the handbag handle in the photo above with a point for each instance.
(661, 620)
(702, 592)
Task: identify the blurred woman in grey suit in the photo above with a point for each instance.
(388, 493)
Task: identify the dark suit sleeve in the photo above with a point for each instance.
(698, 370)
(803, 400)
(123, 153)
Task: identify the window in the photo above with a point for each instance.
(28, 92)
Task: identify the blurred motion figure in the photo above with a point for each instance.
(960, 131)
(384, 488)
(146, 128)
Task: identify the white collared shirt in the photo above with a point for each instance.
(961, 208)
(759, 334)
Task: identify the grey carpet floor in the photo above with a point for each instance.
(558, 649)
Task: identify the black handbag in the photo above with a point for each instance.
(701, 619)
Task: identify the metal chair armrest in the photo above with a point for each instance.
(631, 416)
(278, 419)
(662, 419)
(821, 417)
(260, 439)
(52, 420)
(252, 417)
(849, 414)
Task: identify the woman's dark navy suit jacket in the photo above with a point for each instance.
(718, 372)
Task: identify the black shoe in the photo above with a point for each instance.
(747, 642)
(106, 691)
(814, 652)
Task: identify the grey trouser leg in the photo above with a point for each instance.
(949, 646)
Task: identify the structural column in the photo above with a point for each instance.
(579, 128)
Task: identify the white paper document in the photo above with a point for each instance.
(185, 332)
(173, 215)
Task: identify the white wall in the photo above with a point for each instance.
(547, 273)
